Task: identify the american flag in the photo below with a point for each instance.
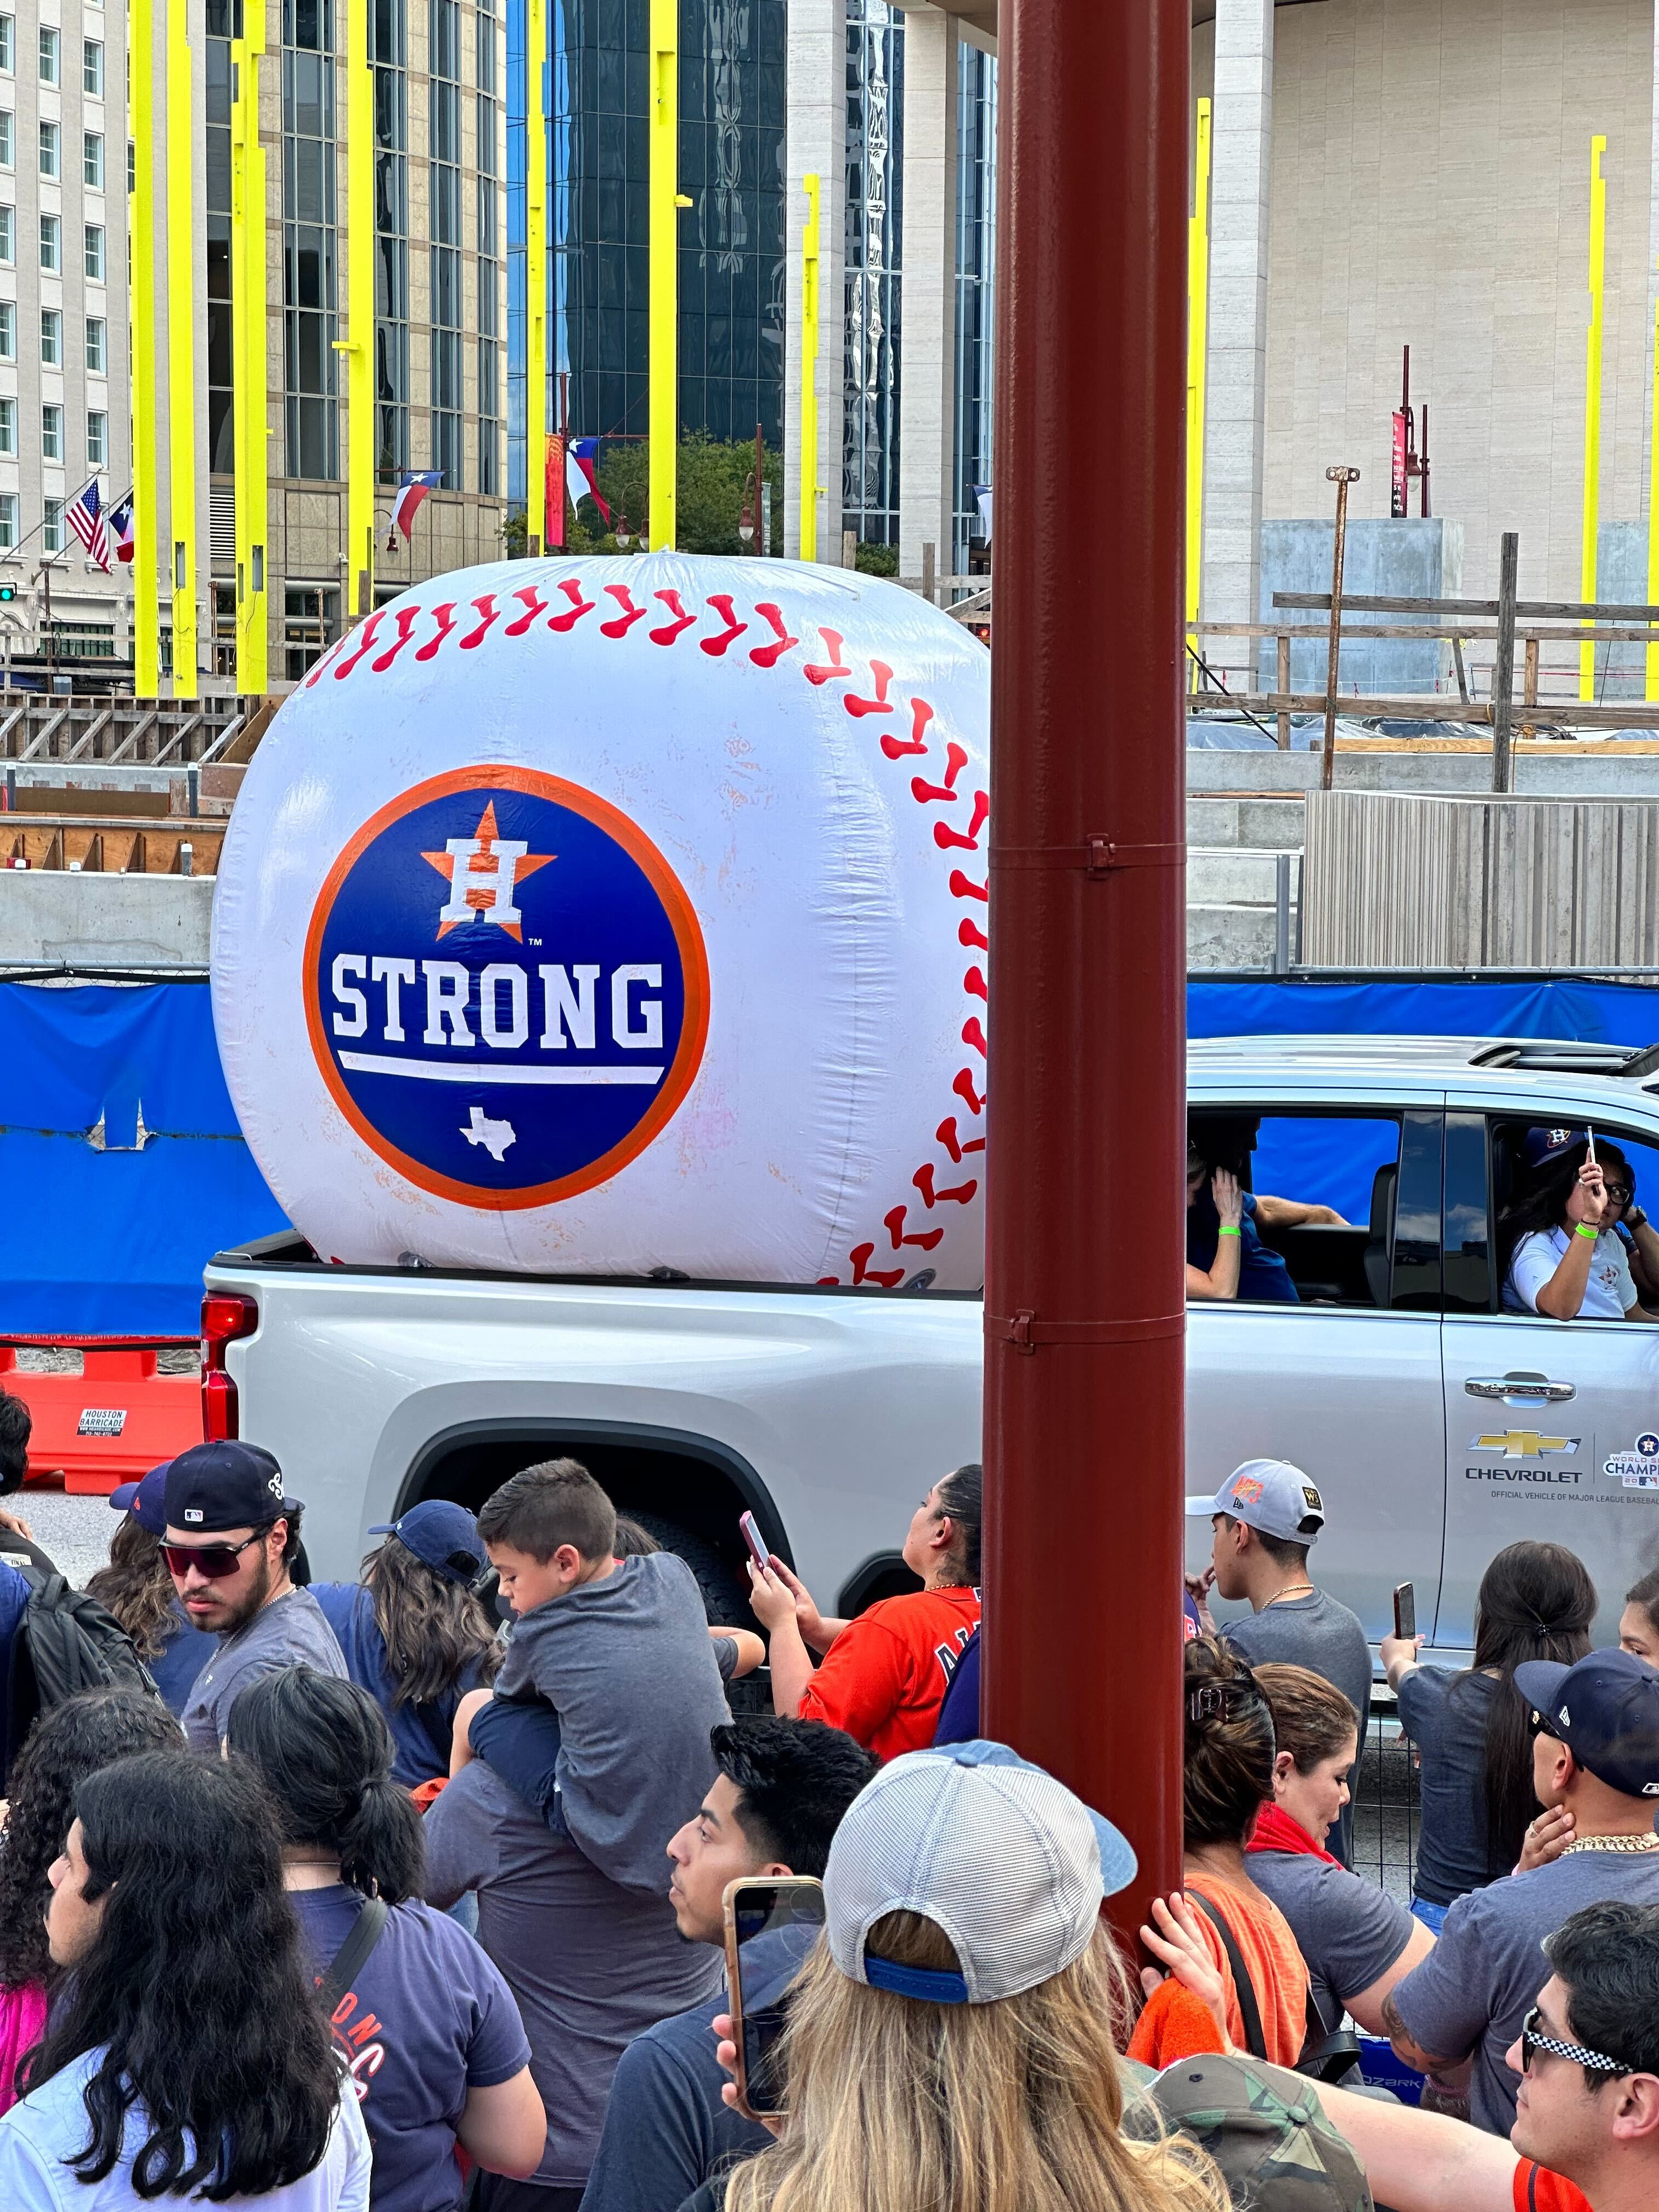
(86, 519)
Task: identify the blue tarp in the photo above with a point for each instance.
(112, 1242)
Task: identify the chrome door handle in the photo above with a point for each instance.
(1530, 1386)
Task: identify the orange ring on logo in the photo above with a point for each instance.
(694, 966)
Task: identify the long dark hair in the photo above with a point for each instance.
(959, 1499)
(435, 1630)
(194, 1992)
(321, 1747)
(1536, 1601)
(71, 1742)
(1227, 1772)
(1646, 1594)
(136, 1587)
(1542, 1206)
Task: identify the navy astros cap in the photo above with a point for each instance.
(1606, 1710)
(1542, 1145)
(443, 1536)
(229, 1485)
(145, 1500)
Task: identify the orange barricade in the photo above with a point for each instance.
(109, 1425)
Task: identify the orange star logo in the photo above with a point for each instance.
(483, 872)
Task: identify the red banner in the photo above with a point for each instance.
(1397, 490)
(553, 497)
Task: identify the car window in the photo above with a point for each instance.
(1324, 1187)
(1514, 1145)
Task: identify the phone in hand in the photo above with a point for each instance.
(1404, 1609)
(749, 1530)
(787, 1911)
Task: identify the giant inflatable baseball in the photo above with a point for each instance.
(601, 916)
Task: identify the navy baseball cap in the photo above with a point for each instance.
(1542, 1146)
(443, 1536)
(1606, 1710)
(229, 1485)
(145, 1500)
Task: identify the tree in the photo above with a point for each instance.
(709, 481)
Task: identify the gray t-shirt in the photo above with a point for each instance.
(591, 1966)
(1349, 1931)
(628, 1665)
(1472, 1992)
(1319, 1633)
(1444, 1713)
(290, 1631)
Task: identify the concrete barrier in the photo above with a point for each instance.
(105, 920)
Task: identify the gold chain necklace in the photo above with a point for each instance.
(1613, 1843)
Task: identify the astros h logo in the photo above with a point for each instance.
(506, 988)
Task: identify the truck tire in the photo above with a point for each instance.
(726, 1600)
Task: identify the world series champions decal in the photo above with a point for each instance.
(507, 988)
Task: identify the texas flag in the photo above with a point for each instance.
(582, 472)
(120, 528)
(413, 489)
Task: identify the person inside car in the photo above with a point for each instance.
(1225, 1257)
(1570, 1260)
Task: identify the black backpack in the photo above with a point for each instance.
(65, 1642)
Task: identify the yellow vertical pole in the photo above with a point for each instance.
(809, 375)
(360, 304)
(1198, 339)
(664, 406)
(1598, 254)
(1650, 682)
(247, 316)
(146, 483)
(535, 269)
(181, 348)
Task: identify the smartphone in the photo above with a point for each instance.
(752, 1536)
(1404, 1609)
(1589, 1153)
(770, 1926)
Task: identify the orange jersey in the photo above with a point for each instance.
(884, 1677)
(1538, 2189)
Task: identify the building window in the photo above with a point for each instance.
(95, 358)
(8, 521)
(310, 240)
(51, 432)
(92, 160)
(8, 330)
(445, 187)
(7, 44)
(92, 68)
(875, 116)
(7, 143)
(49, 149)
(132, 169)
(391, 238)
(97, 439)
(95, 255)
(9, 428)
(51, 244)
(489, 407)
(51, 339)
(48, 56)
(8, 234)
(487, 35)
(51, 532)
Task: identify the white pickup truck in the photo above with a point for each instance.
(1439, 1426)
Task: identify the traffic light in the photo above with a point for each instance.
(8, 593)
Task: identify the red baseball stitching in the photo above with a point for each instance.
(345, 656)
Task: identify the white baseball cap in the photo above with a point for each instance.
(1271, 1495)
(996, 1853)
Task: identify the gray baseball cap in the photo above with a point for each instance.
(1271, 1495)
(1007, 1861)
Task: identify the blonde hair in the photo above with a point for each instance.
(898, 2106)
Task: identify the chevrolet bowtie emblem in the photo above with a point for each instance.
(1524, 1443)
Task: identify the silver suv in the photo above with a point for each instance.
(1439, 1426)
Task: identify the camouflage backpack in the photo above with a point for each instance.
(1264, 2128)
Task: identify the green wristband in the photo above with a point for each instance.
(1229, 1231)
(1580, 1229)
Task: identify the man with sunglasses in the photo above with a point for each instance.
(232, 1535)
(1595, 1754)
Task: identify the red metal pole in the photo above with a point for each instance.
(1084, 1325)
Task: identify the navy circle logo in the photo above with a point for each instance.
(505, 986)
(1647, 1445)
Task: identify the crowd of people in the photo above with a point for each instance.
(411, 1892)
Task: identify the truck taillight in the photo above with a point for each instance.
(225, 1317)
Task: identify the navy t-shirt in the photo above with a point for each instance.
(350, 1611)
(427, 2019)
(13, 1597)
(1261, 1271)
(186, 1652)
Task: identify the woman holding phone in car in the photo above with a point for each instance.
(1570, 1260)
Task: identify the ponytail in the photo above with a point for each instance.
(323, 1749)
(959, 1500)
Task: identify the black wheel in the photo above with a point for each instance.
(725, 1598)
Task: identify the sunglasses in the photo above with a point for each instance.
(216, 1561)
(1532, 2043)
